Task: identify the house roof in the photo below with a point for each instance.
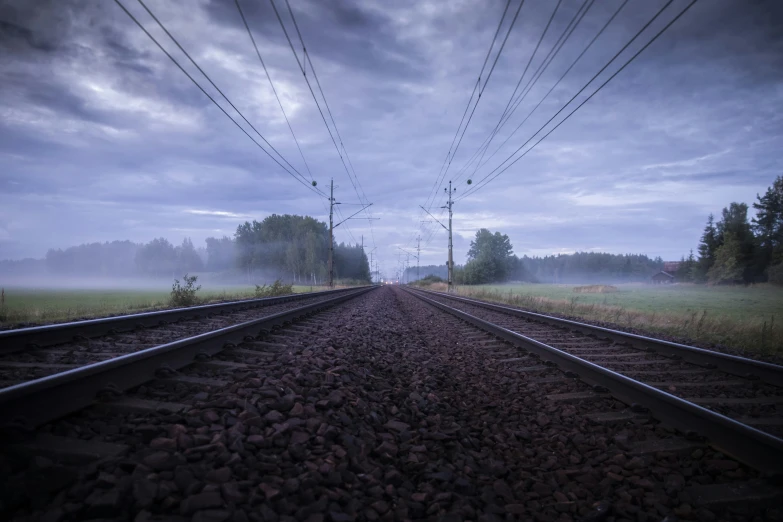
(667, 274)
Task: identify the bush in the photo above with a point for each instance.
(428, 280)
(273, 290)
(184, 295)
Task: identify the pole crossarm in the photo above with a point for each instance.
(410, 254)
(433, 217)
(352, 215)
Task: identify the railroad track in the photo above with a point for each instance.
(734, 403)
(378, 407)
(30, 353)
(76, 373)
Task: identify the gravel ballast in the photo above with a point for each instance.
(381, 408)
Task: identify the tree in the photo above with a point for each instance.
(768, 227)
(490, 258)
(188, 259)
(93, 259)
(728, 267)
(350, 262)
(776, 274)
(157, 258)
(294, 248)
(221, 254)
(685, 271)
(734, 221)
(707, 247)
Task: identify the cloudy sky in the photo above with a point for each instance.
(102, 137)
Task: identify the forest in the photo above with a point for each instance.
(491, 260)
(287, 247)
(736, 250)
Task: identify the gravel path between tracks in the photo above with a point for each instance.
(614, 357)
(380, 409)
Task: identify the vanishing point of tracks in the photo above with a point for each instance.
(377, 405)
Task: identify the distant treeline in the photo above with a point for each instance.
(292, 248)
(297, 246)
(581, 267)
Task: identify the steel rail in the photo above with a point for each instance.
(755, 448)
(733, 364)
(36, 402)
(39, 336)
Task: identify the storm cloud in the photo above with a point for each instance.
(103, 138)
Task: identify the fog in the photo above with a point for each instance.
(207, 281)
(293, 249)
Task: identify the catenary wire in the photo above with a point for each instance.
(454, 148)
(272, 85)
(513, 103)
(303, 68)
(195, 64)
(334, 124)
(433, 192)
(669, 24)
(554, 86)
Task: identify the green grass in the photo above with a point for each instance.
(42, 306)
(749, 318)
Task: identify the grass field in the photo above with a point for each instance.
(41, 306)
(748, 318)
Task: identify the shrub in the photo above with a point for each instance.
(428, 280)
(184, 295)
(275, 289)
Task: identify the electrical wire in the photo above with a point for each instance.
(302, 180)
(450, 155)
(303, 67)
(669, 24)
(554, 86)
(513, 103)
(272, 85)
(363, 195)
(433, 192)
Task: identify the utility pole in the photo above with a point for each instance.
(451, 243)
(331, 234)
(450, 263)
(407, 263)
(332, 226)
(418, 257)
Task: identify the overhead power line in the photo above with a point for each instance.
(452, 150)
(513, 104)
(487, 179)
(343, 154)
(334, 124)
(511, 101)
(554, 86)
(299, 178)
(272, 85)
(433, 192)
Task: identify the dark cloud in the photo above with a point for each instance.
(103, 138)
(342, 32)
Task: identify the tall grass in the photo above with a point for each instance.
(761, 334)
(36, 306)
